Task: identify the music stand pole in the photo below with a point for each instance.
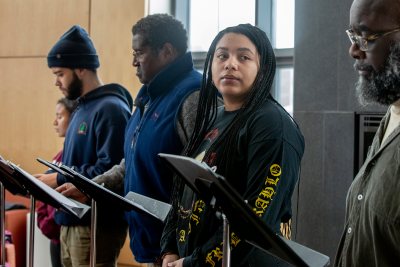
(93, 226)
(226, 248)
(2, 227)
(32, 232)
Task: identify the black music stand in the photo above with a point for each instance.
(131, 202)
(201, 178)
(20, 182)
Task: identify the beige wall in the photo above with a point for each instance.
(28, 30)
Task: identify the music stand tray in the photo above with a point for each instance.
(18, 181)
(200, 177)
(131, 202)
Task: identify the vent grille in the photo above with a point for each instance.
(370, 120)
(368, 124)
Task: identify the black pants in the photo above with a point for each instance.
(55, 254)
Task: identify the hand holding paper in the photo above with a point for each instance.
(49, 178)
(69, 190)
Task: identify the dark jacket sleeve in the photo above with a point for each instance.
(168, 237)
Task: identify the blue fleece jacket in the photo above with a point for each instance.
(152, 130)
(94, 138)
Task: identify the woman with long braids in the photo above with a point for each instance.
(251, 140)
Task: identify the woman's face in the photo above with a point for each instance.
(234, 68)
(62, 120)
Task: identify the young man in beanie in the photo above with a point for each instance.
(93, 144)
(162, 122)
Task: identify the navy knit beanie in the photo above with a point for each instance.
(74, 50)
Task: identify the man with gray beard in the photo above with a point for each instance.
(371, 236)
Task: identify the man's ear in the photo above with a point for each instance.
(80, 72)
(169, 52)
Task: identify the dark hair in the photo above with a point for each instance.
(207, 107)
(70, 105)
(158, 29)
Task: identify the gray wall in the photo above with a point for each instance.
(324, 106)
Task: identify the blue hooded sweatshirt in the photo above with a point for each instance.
(95, 136)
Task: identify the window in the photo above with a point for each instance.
(205, 18)
(283, 33)
(208, 17)
(284, 82)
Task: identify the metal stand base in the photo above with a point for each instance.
(93, 226)
(32, 232)
(226, 246)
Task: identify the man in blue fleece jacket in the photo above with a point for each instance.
(165, 109)
(162, 122)
(93, 144)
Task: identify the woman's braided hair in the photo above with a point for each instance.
(226, 143)
(258, 94)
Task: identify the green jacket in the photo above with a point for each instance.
(371, 236)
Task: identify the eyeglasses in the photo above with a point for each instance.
(362, 42)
